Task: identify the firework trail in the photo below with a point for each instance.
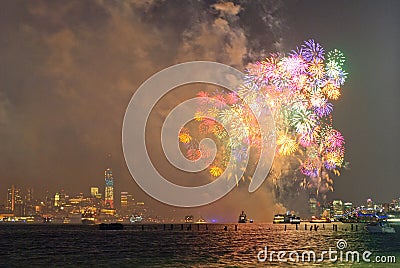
(298, 89)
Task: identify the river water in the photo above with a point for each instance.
(25, 245)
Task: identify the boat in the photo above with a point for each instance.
(279, 218)
(135, 219)
(47, 219)
(201, 220)
(319, 220)
(242, 217)
(380, 227)
(294, 219)
(189, 219)
(393, 218)
(88, 218)
(111, 226)
(286, 218)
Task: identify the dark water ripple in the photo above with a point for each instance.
(86, 246)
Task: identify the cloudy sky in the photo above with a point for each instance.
(69, 68)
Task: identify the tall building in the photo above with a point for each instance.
(130, 201)
(29, 202)
(337, 208)
(57, 200)
(29, 195)
(94, 191)
(124, 200)
(370, 204)
(348, 207)
(109, 189)
(312, 202)
(60, 199)
(15, 202)
(10, 198)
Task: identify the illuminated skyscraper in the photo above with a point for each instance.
(10, 198)
(347, 207)
(29, 196)
(15, 201)
(109, 189)
(312, 202)
(29, 202)
(337, 208)
(370, 203)
(57, 200)
(94, 191)
(124, 200)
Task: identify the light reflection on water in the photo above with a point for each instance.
(79, 245)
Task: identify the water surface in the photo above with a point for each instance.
(51, 245)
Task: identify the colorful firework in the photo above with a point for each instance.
(287, 145)
(216, 171)
(312, 51)
(297, 89)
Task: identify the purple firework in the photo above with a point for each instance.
(312, 51)
(324, 109)
(329, 165)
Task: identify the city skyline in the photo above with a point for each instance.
(18, 199)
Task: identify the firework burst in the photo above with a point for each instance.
(298, 90)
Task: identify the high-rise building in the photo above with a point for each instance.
(57, 200)
(348, 207)
(94, 191)
(29, 195)
(60, 199)
(10, 198)
(15, 202)
(124, 200)
(370, 204)
(109, 189)
(312, 202)
(130, 200)
(337, 208)
(29, 202)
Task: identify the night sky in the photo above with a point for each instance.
(69, 68)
